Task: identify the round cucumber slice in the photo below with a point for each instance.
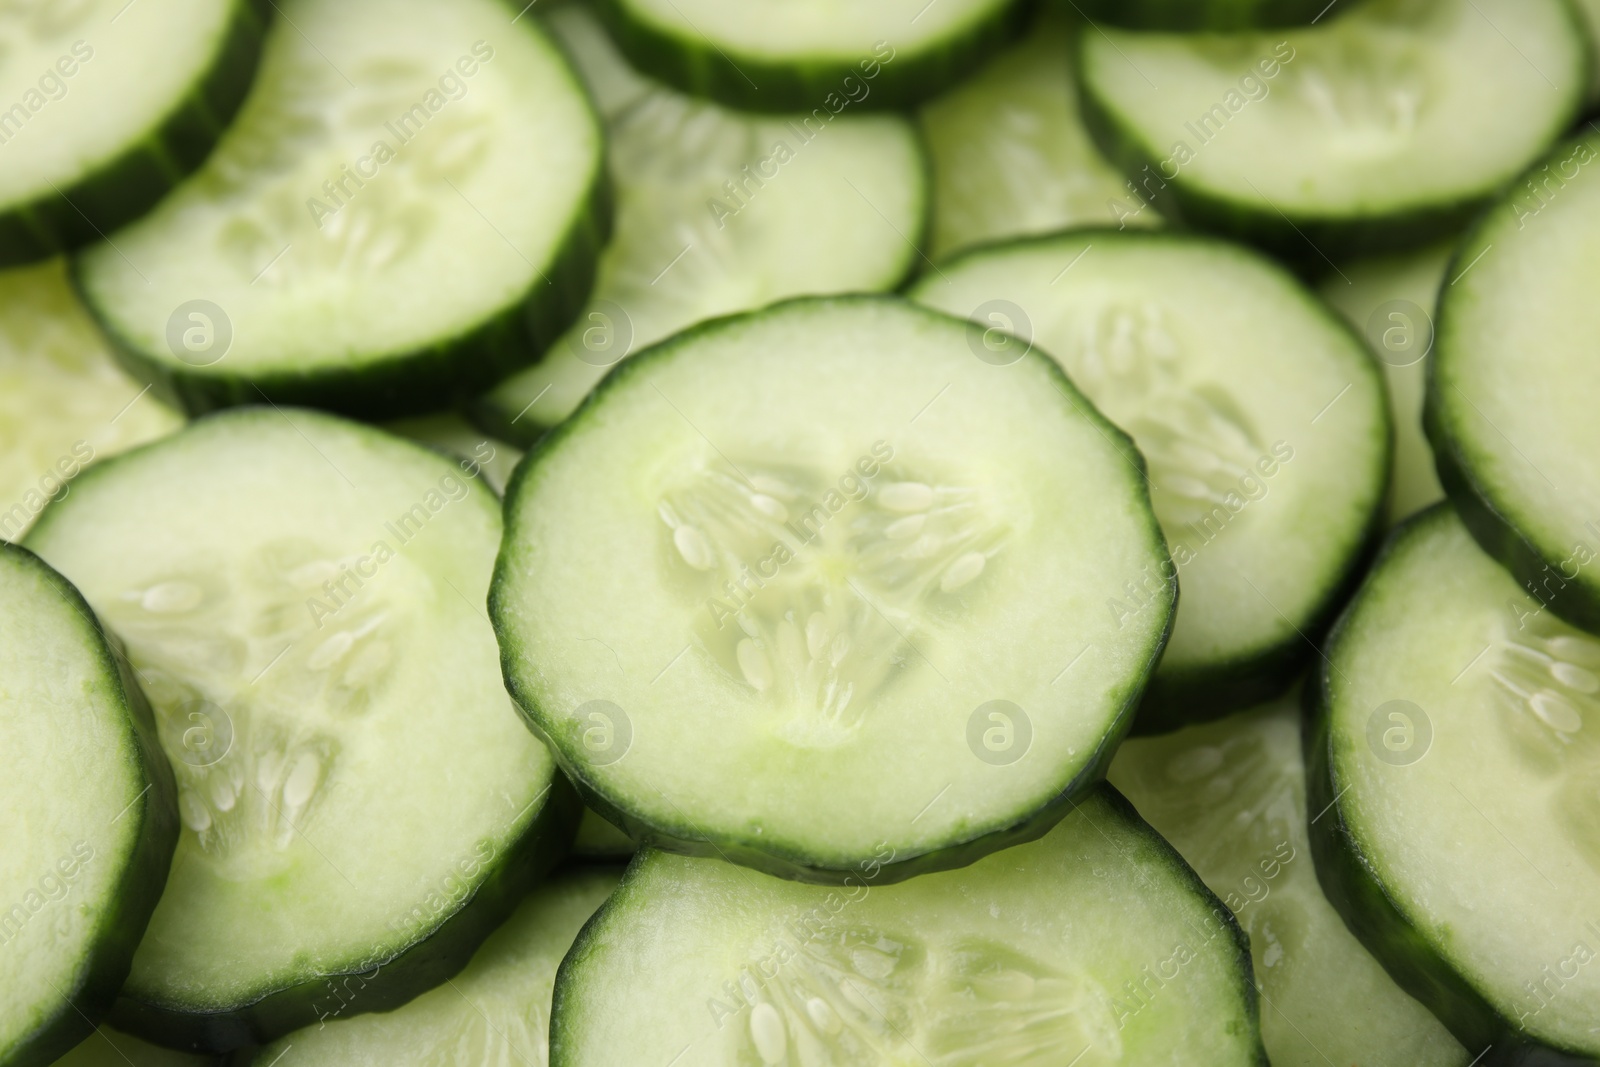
(1204, 14)
(1370, 131)
(89, 804)
(1011, 156)
(408, 209)
(112, 1048)
(1231, 798)
(63, 401)
(798, 585)
(301, 598)
(1390, 301)
(1092, 946)
(94, 133)
(496, 1011)
(717, 212)
(1511, 399)
(1454, 750)
(810, 55)
(1262, 418)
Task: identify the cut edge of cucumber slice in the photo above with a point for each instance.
(122, 189)
(1210, 15)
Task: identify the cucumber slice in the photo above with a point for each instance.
(598, 839)
(1511, 401)
(454, 435)
(1231, 797)
(63, 401)
(1368, 132)
(497, 1011)
(93, 131)
(801, 55)
(1011, 156)
(1590, 10)
(112, 1048)
(1390, 300)
(1454, 752)
(311, 637)
(1203, 14)
(862, 597)
(89, 806)
(1095, 942)
(1262, 417)
(407, 210)
(717, 212)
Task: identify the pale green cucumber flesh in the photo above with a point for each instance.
(107, 1047)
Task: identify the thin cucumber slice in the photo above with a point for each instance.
(1231, 797)
(1454, 750)
(1590, 10)
(801, 55)
(300, 597)
(90, 812)
(1370, 131)
(1511, 400)
(1011, 156)
(496, 1011)
(408, 209)
(1203, 14)
(63, 401)
(1261, 415)
(1092, 946)
(93, 131)
(598, 839)
(798, 585)
(454, 435)
(717, 212)
(112, 1048)
(1390, 300)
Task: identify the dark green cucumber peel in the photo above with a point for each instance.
(1202, 14)
(417, 382)
(701, 69)
(378, 985)
(754, 852)
(128, 186)
(144, 876)
(1348, 880)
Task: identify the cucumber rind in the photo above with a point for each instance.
(1349, 877)
(123, 188)
(793, 862)
(144, 872)
(1206, 15)
(697, 66)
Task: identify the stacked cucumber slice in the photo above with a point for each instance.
(799, 533)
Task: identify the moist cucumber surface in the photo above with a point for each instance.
(1203, 14)
(496, 1011)
(300, 597)
(718, 211)
(1230, 796)
(1390, 301)
(780, 55)
(63, 401)
(1369, 131)
(1454, 739)
(800, 584)
(112, 1048)
(1094, 945)
(407, 209)
(89, 810)
(1261, 416)
(1010, 154)
(92, 131)
(1511, 398)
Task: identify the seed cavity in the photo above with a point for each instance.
(906, 496)
(172, 598)
(766, 1029)
(963, 571)
(694, 547)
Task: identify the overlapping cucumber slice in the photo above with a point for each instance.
(803, 584)
(1204, 14)
(301, 598)
(108, 1047)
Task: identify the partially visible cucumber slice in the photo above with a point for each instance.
(1231, 797)
(1092, 946)
(802, 584)
(302, 598)
(1262, 417)
(1370, 131)
(112, 1048)
(718, 212)
(90, 810)
(1390, 300)
(451, 433)
(800, 55)
(1453, 755)
(92, 131)
(1010, 153)
(495, 1012)
(408, 209)
(63, 401)
(1203, 14)
(1590, 10)
(598, 839)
